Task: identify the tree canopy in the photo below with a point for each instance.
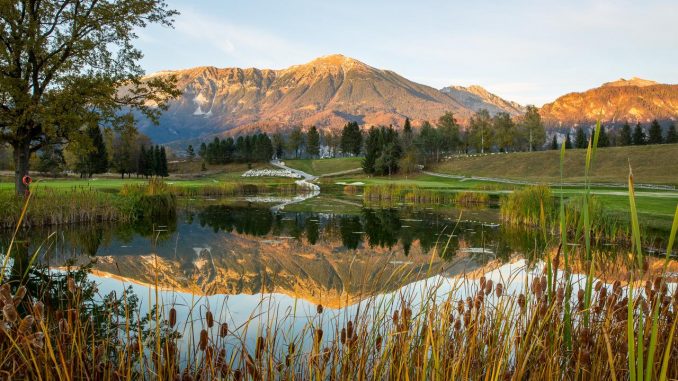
(68, 65)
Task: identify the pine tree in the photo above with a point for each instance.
(639, 136)
(581, 140)
(568, 141)
(603, 139)
(671, 136)
(351, 139)
(142, 162)
(203, 150)
(655, 133)
(190, 152)
(554, 142)
(163, 169)
(625, 138)
(313, 142)
(408, 135)
(156, 161)
(372, 143)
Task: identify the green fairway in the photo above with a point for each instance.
(319, 167)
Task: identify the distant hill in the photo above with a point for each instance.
(633, 100)
(327, 92)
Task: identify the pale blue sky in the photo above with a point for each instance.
(527, 51)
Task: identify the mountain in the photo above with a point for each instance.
(633, 100)
(327, 92)
(475, 98)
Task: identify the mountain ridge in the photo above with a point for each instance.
(328, 92)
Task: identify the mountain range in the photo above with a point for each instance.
(332, 90)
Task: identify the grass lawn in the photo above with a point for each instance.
(654, 164)
(318, 167)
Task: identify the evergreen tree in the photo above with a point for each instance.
(296, 141)
(671, 136)
(425, 141)
(162, 163)
(203, 151)
(95, 157)
(142, 162)
(278, 145)
(157, 166)
(581, 139)
(655, 133)
(313, 142)
(603, 139)
(190, 152)
(568, 141)
(351, 139)
(408, 135)
(554, 142)
(372, 143)
(625, 137)
(639, 138)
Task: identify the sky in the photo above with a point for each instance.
(530, 52)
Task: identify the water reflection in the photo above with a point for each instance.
(228, 248)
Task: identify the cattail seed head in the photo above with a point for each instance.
(488, 287)
(223, 330)
(521, 301)
(9, 313)
(378, 343)
(202, 344)
(26, 324)
(210, 319)
(19, 296)
(38, 310)
(318, 335)
(499, 289)
(172, 317)
(319, 309)
(482, 282)
(349, 328)
(580, 296)
(260, 348)
(71, 285)
(342, 336)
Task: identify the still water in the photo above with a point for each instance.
(256, 265)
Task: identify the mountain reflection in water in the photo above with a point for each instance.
(320, 257)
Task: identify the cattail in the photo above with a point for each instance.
(342, 336)
(580, 296)
(71, 285)
(172, 317)
(378, 343)
(499, 290)
(26, 324)
(237, 375)
(544, 284)
(395, 317)
(599, 285)
(202, 344)
(657, 283)
(259, 352)
(616, 287)
(223, 330)
(488, 287)
(326, 354)
(521, 301)
(560, 294)
(18, 297)
(460, 307)
(482, 282)
(291, 348)
(9, 312)
(457, 325)
(210, 319)
(38, 310)
(319, 309)
(349, 328)
(318, 335)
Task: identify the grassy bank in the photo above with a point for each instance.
(655, 164)
(319, 167)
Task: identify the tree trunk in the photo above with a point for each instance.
(22, 155)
